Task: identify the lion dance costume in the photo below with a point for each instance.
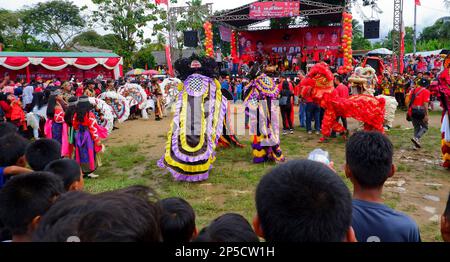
(197, 123)
(365, 108)
(363, 82)
(260, 98)
(444, 91)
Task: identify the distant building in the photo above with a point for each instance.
(80, 48)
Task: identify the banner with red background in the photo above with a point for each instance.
(288, 42)
(274, 9)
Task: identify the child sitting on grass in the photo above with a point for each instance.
(12, 159)
(24, 199)
(228, 228)
(69, 171)
(41, 152)
(177, 220)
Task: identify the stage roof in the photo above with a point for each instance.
(328, 10)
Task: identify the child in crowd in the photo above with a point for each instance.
(445, 222)
(368, 166)
(7, 128)
(126, 215)
(41, 152)
(25, 199)
(228, 228)
(69, 171)
(12, 157)
(303, 201)
(177, 220)
(87, 137)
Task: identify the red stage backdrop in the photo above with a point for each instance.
(288, 41)
(274, 9)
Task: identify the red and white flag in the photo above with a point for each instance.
(160, 2)
(417, 2)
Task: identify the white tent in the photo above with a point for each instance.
(427, 53)
(380, 51)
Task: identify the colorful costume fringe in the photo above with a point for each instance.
(263, 115)
(228, 137)
(444, 90)
(195, 129)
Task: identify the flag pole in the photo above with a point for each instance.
(415, 28)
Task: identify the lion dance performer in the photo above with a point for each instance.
(260, 97)
(444, 91)
(363, 82)
(365, 108)
(197, 123)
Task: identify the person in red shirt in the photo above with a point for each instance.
(418, 111)
(304, 58)
(342, 91)
(316, 55)
(327, 56)
(438, 64)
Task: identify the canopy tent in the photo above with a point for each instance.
(427, 53)
(329, 11)
(61, 64)
(380, 51)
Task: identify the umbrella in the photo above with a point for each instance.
(135, 72)
(380, 51)
(150, 72)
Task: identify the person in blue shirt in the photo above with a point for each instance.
(368, 166)
(12, 156)
(239, 89)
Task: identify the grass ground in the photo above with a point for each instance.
(233, 180)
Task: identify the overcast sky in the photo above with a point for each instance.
(427, 14)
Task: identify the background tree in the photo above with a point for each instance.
(127, 19)
(144, 58)
(58, 21)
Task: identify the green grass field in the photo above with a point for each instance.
(233, 180)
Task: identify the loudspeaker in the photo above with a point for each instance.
(372, 29)
(190, 38)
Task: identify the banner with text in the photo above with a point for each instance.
(289, 42)
(261, 10)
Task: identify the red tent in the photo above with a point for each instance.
(61, 65)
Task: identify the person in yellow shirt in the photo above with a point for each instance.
(399, 86)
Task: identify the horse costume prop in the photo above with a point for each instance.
(118, 104)
(136, 96)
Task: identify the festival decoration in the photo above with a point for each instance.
(209, 45)
(136, 96)
(234, 51)
(347, 42)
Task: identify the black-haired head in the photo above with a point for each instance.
(255, 70)
(196, 65)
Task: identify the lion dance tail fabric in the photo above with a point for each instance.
(263, 124)
(195, 129)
